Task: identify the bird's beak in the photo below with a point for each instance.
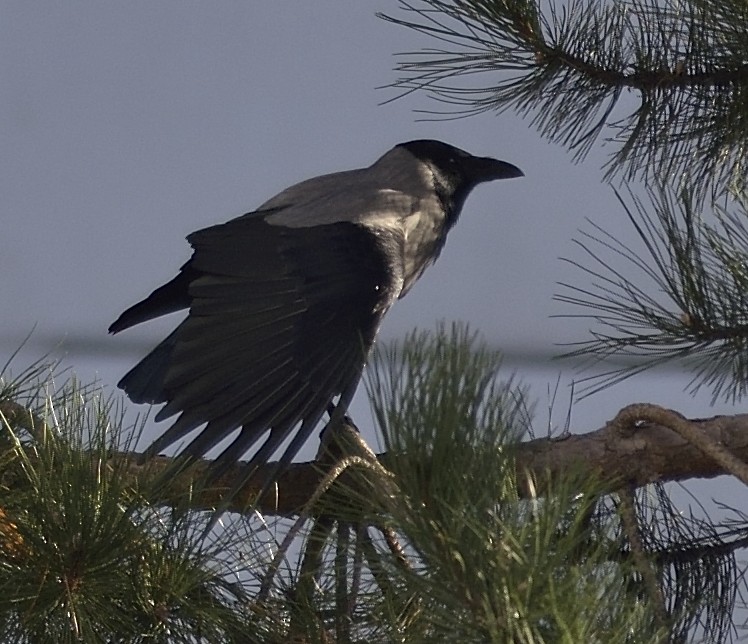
(489, 169)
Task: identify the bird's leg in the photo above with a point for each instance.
(341, 438)
(309, 575)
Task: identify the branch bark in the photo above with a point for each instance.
(628, 450)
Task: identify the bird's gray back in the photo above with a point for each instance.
(394, 198)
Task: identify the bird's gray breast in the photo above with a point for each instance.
(424, 234)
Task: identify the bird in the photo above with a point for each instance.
(285, 302)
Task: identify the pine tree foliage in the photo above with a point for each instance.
(441, 547)
(664, 81)
(664, 84)
(83, 557)
(682, 294)
(556, 568)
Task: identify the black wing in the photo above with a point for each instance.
(281, 320)
(172, 296)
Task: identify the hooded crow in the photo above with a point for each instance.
(285, 302)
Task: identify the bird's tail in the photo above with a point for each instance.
(144, 383)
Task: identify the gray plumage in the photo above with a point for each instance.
(285, 302)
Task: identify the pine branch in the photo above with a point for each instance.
(568, 67)
(684, 297)
(623, 450)
(653, 453)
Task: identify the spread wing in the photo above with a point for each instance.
(280, 322)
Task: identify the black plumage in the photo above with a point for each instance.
(285, 302)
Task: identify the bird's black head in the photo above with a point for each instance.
(457, 172)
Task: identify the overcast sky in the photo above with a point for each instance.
(126, 126)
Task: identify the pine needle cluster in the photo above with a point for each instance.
(664, 82)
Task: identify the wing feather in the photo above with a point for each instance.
(281, 320)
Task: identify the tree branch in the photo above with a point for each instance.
(635, 453)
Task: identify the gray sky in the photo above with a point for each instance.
(126, 126)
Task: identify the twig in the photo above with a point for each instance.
(630, 523)
(311, 567)
(395, 547)
(342, 599)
